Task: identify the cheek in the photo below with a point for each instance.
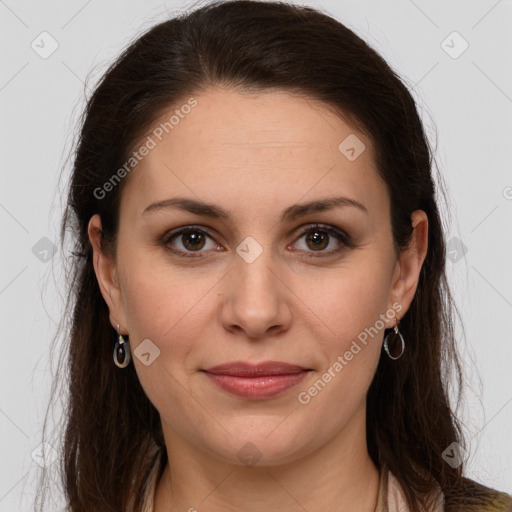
(351, 307)
(352, 300)
(354, 307)
(155, 296)
(172, 308)
(166, 309)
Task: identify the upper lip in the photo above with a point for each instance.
(244, 369)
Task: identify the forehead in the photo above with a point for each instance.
(260, 147)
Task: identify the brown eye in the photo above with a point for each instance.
(187, 241)
(193, 240)
(318, 238)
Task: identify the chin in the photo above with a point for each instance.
(265, 447)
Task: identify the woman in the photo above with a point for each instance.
(260, 303)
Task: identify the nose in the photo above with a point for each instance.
(257, 300)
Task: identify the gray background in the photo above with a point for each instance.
(466, 98)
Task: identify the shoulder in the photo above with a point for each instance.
(470, 496)
(475, 497)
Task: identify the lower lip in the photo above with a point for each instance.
(256, 387)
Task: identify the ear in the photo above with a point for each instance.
(106, 273)
(407, 269)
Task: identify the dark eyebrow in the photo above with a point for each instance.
(291, 213)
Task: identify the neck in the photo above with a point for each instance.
(339, 476)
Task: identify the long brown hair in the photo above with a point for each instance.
(112, 431)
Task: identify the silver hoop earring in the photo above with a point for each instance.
(386, 343)
(122, 354)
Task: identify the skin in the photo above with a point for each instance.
(255, 155)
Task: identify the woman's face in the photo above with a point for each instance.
(254, 280)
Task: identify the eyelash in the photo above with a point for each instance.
(343, 238)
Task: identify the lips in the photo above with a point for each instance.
(243, 369)
(256, 382)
